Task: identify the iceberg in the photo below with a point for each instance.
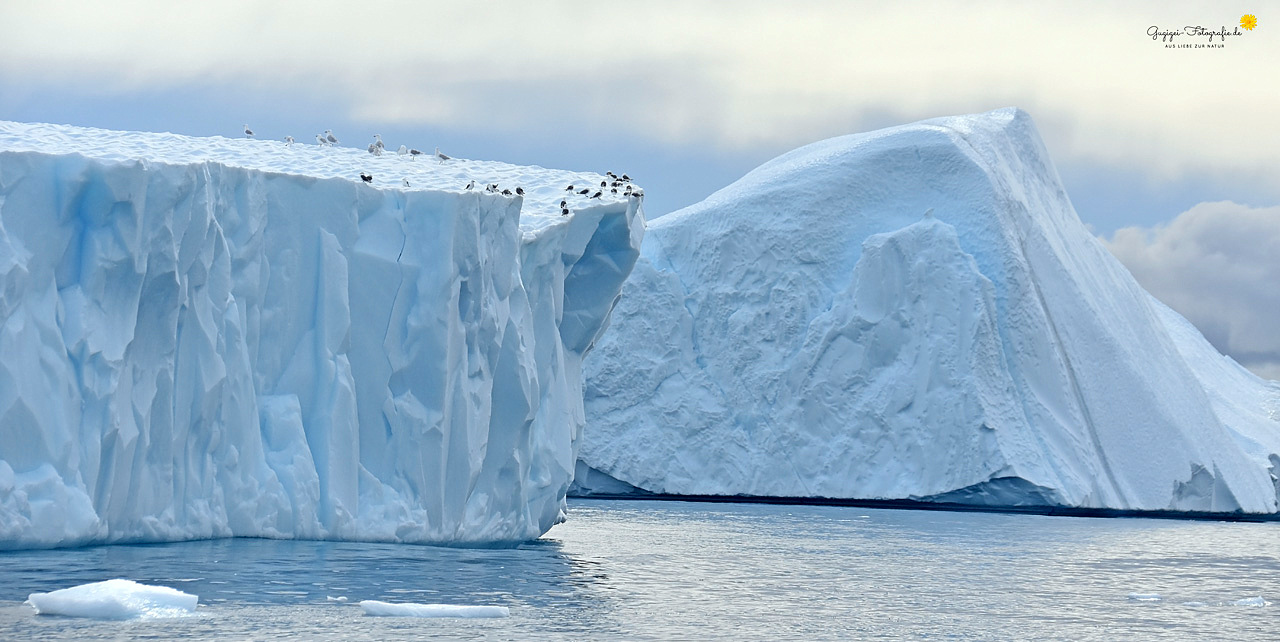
(410, 609)
(115, 600)
(915, 314)
(205, 337)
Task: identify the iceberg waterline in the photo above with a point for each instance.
(208, 337)
(915, 313)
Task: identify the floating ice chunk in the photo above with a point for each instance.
(340, 598)
(1194, 604)
(115, 600)
(387, 609)
(1145, 597)
(1251, 601)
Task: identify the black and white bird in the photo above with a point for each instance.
(584, 191)
(611, 174)
(564, 211)
(597, 195)
(563, 204)
(442, 157)
(248, 133)
(520, 191)
(604, 183)
(506, 192)
(321, 141)
(288, 141)
(613, 191)
(626, 178)
(471, 185)
(328, 135)
(569, 188)
(366, 177)
(374, 149)
(377, 142)
(413, 153)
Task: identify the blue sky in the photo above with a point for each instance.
(684, 96)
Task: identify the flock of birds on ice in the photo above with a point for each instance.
(377, 147)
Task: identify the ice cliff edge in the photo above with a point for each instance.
(915, 313)
(212, 337)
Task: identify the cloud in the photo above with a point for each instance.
(734, 76)
(1217, 264)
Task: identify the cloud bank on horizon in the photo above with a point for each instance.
(734, 76)
(1217, 265)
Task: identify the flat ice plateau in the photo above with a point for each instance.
(915, 313)
(206, 337)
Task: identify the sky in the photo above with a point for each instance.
(688, 96)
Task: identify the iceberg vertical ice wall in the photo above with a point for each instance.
(205, 338)
(915, 313)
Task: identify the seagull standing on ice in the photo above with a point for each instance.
(366, 177)
(320, 140)
(328, 135)
(441, 157)
(288, 141)
(248, 133)
(377, 142)
(403, 150)
(471, 185)
(413, 153)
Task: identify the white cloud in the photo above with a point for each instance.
(1218, 264)
(732, 75)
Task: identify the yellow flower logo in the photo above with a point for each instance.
(1248, 21)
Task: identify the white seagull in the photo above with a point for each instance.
(288, 141)
(248, 132)
(328, 135)
(320, 140)
(403, 150)
(441, 157)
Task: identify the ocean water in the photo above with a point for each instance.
(670, 570)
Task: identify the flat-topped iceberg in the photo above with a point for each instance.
(205, 337)
(915, 313)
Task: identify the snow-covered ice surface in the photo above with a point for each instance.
(115, 600)
(813, 330)
(409, 609)
(207, 337)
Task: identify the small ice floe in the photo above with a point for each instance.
(115, 600)
(408, 609)
(1194, 604)
(340, 598)
(1251, 601)
(1145, 597)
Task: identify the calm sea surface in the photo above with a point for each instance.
(658, 570)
